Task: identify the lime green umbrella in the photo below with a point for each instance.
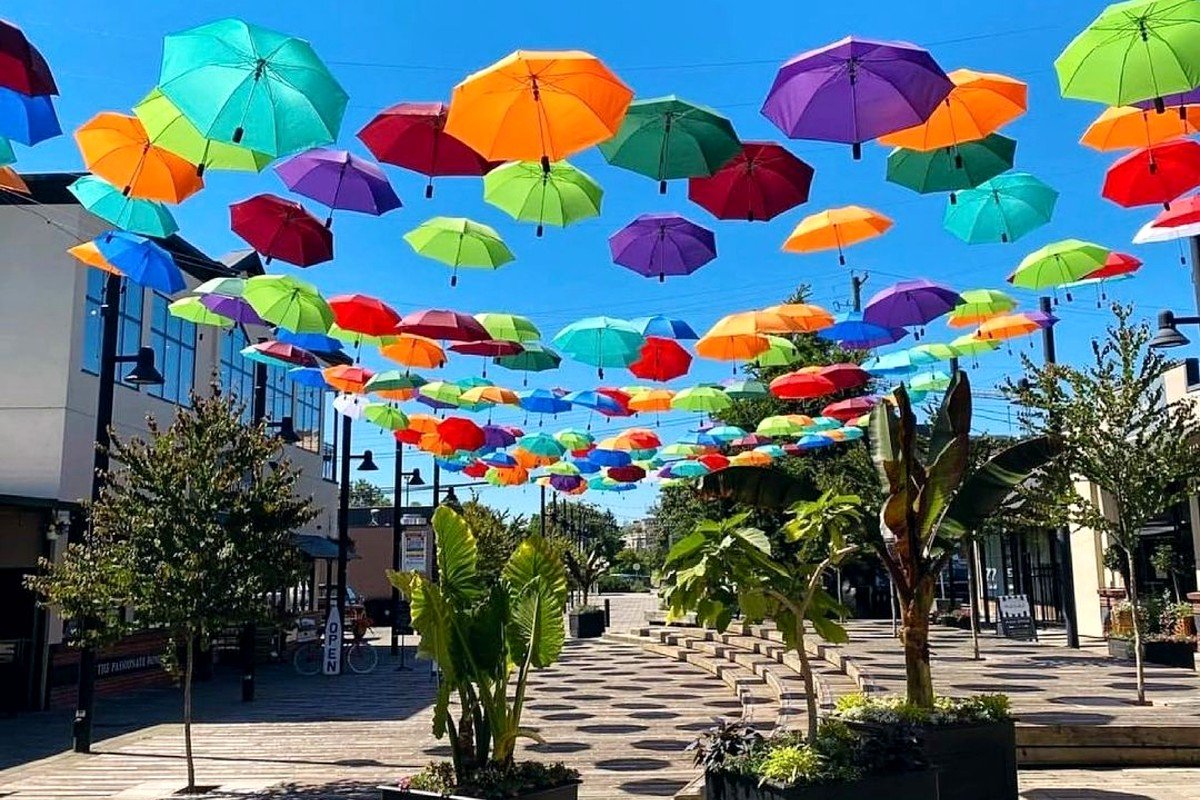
(932, 352)
(356, 338)
(977, 305)
(574, 439)
(509, 327)
(745, 390)
(1134, 51)
(253, 87)
(1058, 263)
(147, 217)
(288, 302)
(780, 352)
(459, 242)
(778, 427)
(385, 416)
(666, 138)
(950, 169)
(192, 310)
(167, 127)
(702, 399)
(562, 468)
(935, 381)
(966, 345)
(442, 392)
(527, 193)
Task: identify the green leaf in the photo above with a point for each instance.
(953, 415)
(755, 538)
(758, 487)
(485, 634)
(829, 630)
(987, 489)
(537, 587)
(441, 710)
(457, 556)
(883, 436)
(686, 547)
(941, 481)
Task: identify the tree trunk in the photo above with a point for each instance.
(1138, 664)
(914, 633)
(810, 693)
(188, 667)
(973, 588)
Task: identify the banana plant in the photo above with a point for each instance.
(486, 641)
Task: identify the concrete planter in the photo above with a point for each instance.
(586, 624)
(1166, 654)
(568, 792)
(922, 785)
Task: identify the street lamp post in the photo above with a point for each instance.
(413, 479)
(367, 465)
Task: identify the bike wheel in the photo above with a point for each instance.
(361, 658)
(307, 658)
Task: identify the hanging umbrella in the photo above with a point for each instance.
(351, 378)
(851, 330)
(411, 350)
(352, 405)
(652, 400)
(490, 395)
(141, 260)
(574, 440)
(1133, 51)
(661, 360)
(461, 433)
(595, 401)
(1182, 212)
(509, 327)
(732, 346)
(930, 382)
(538, 106)
(1156, 174)
(362, 314)
(87, 253)
(313, 342)
(979, 105)
(835, 229)
(968, 345)
(801, 386)
(664, 328)
(910, 303)
(758, 184)
(459, 242)
(339, 179)
(855, 90)
(193, 310)
(117, 148)
(534, 357)
(385, 416)
(752, 458)
(489, 348)
(251, 86)
(666, 138)
(627, 474)
(1150, 233)
(234, 309)
(745, 390)
(1126, 127)
(288, 302)
(7, 156)
(932, 352)
(443, 325)
(10, 180)
(845, 376)
(977, 305)
(28, 120)
(900, 362)
(413, 136)
(499, 436)
(805, 317)
(107, 202)
(22, 67)
(601, 342)
(661, 245)
(1177, 100)
(357, 339)
(443, 392)
(312, 377)
(392, 384)
(1004, 327)
(543, 445)
(275, 354)
(542, 401)
(168, 128)
(1116, 265)
(780, 352)
(702, 399)
(778, 427)
(851, 408)
(1001, 209)
(722, 435)
(621, 398)
(558, 195)
(282, 229)
(1058, 263)
(952, 169)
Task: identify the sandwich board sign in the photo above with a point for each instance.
(1016, 618)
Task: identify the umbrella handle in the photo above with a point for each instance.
(429, 189)
(662, 187)
(539, 230)
(1160, 107)
(856, 151)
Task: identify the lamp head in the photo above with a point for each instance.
(368, 463)
(452, 500)
(1168, 335)
(415, 478)
(144, 373)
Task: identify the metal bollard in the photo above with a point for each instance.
(607, 612)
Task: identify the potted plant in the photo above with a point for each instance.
(486, 641)
(585, 570)
(1165, 637)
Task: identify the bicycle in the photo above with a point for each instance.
(357, 654)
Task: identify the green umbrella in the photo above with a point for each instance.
(288, 302)
(780, 352)
(778, 427)
(950, 169)
(666, 138)
(934, 381)
(442, 392)
(966, 345)
(106, 201)
(745, 390)
(562, 467)
(1134, 51)
(7, 156)
(542, 445)
(167, 127)
(976, 305)
(459, 242)
(574, 439)
(509, 327)
(386, 416)
(527, 193)
(226, 287)
(535, 357)
(1058, 263)
(393, 380)
(192, 310)
(250, 86)
(929, 353)
(703, 399)
(1002, 209)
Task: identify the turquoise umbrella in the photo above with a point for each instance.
(253, 87)
(7, 156)
(1002, 209)
(106, 201)
(601, 342)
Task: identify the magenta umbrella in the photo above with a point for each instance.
(662, 245)
(910, 303)
(855, 90)
(339, 179)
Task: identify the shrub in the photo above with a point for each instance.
(892, 710)
(493, 781)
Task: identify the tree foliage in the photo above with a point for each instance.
(364, 494)
(497, 534)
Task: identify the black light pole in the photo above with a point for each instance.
(414, 479)
(367, 465)
(144, 373)
(542, 513)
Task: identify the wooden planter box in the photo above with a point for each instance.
(922, 785)
(586, 624)
(1166, 654)
(568, 792)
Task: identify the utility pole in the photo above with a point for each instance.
(343, 522)
(258, 411)
(856, 284)
(397, 541)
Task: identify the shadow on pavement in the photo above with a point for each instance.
(338, 790)
(1081, 792)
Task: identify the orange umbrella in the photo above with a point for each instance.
(89, 254)
(415, 351)
(529, 460)
(117, 148)
(652, 400)
(418, 425)
(979, 104)
(835, 229)
(742, 336)
(750, 458)
(496, 395)
(347, 378)
(538, 106)
(1125, 127)
(508, 476)
(399, 395)
(435, 445)
(808, 317)
(10, 179)
(637, 439)
(1006, 326)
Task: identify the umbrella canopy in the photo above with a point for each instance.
(852, 408)
(22, 67)
(780, 352)
(977, 305)
(601, 342)
(311, 377)
(251, 86)
(490, 348)
(348, 377)
(1133, 51)
(1005, 326)
(574, 440)
(851, 330)
(288, 302)
(168, 128)
(87, 253)
(411, 350)
(652, 400)
(9, 179)
(281, 229)
(596, 401)
(910, 303)
(25, 119)
(117, 148)
(666, 138)
(443, 325)
(413, 136)
(805, 317)
(1127, 127)
(542, 401)
(509, 327)
(313, 342)
(661, 360)
(279, 354)
(951, 169)
(900, 362)
(778, 427)
(1116, 265)
(855, 90)
(342, 335)
(658, 245)
(835, 229)
(235, 309)
(106, 201)
(558, 195)
(385, 416)
(459, 242)
(352, 405)
(1156, 174)
(1001, 209)
(801, 386)
(1185, 211)
(664, 327)
(932, 352)
(702, 399)
(845, 376)
(535, 357)
(491, 395)
(968, 345)
(731, 347)
(1058, 263)
(538, 106)
(141, 260)
(443, 392)
(192, 309)
(544, 445)
(745, 389)
(461, 433)
(393, 384)
(339, 179)
(979, 104)
(363, 314)
(758, 323)
(758, 184)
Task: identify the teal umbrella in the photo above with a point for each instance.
(951, 169)
(253, 87)
(601, 342)
(534, 357)
(1002, 209)
(106, 201)
(7, 156)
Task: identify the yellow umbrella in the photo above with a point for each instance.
(494, 395)
(979, 105)
(835, 229)
(1125, 127)
(809, 318)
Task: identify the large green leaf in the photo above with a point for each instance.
(883, 436)
(685, 548)
(945, 474)
(759, 487)
(987, 489)
(953, 415)
(537, 587)
(485, 634)
(432, 619)
(457, 556)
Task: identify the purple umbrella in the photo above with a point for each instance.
(339, 179)
(1190, 98)
(498, 436)
(910, 303)
(234, 308)
(662, 245)
(1043, 319)
(855, 90)
(565, 483)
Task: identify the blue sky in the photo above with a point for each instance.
(717, 53)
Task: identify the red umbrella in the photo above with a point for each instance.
(845, 376)
(22, 67)
(618, 397)
(1185, 211)
(476, 469)
(451, 326)
(413, 136)
(846, 410)
(460, 433)
(408, 436)
(285, 353)
(628, 474)
(714, 461)
(492, 348)
(1157, 174)
(360, 313)
(750, 440)
(1120, 263)
(661, 360)
(762, 181)
(282, 229)
(801, 386)
(348, 377)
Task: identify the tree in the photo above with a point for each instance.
(497, 535)
(584, 567)
(1121, 436)
(364, 494)
(192, 532)
(582, 522)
